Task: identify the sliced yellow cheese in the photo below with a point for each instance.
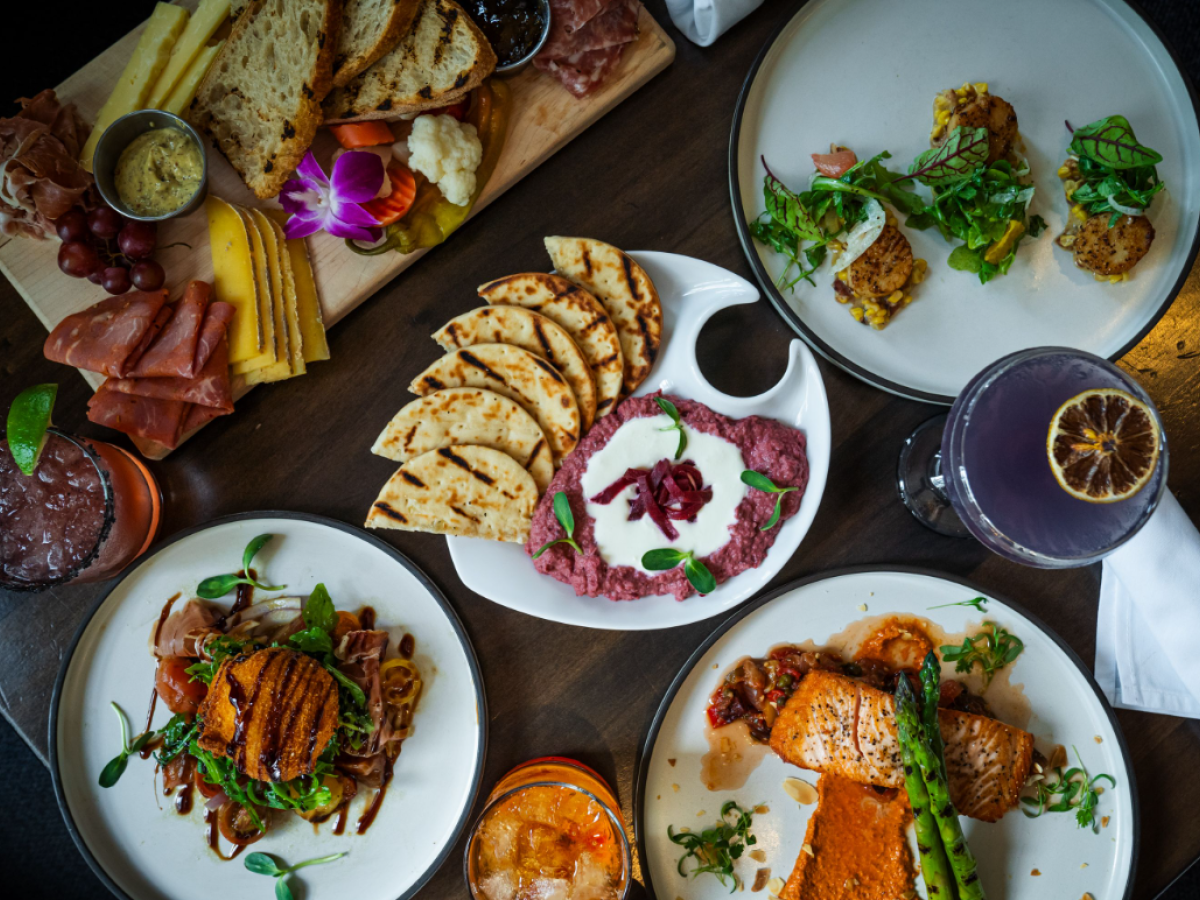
(149, 59)
(200, 27)
(233, 278)
(308, 301)
(291, 311)
(185, 91)
(283, 367)
(266, 303)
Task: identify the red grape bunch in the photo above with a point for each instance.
(109, 250)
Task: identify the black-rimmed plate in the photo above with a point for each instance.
(863, 73)
(136, 842)
(1065, 707)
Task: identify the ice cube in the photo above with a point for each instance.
(548, 889)
(592, 880)
(498, 885)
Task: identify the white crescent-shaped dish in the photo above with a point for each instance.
(692, 291)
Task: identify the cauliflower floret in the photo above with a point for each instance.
(447, 152)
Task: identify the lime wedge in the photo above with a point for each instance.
(28, 419)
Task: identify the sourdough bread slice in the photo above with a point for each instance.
(261, 100)
(443, 57)
(370, 28)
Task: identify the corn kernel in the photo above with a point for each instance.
(981, 87)
(891, 220)
(943, 116)
(844, 276)
(1064, 171)
(1079, 212)
(856, 312)
(895, 297)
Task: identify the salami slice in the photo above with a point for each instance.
(582, 73)
(173, 353)
(587, 38)
(617, 24)
(145, 417)
(573, 14)
(110, 336)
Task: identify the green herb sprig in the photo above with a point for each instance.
(1075, 791)
(992, 650)
(716, 849)
(219, 585)
(697, 573)
(980, 603)
(761, 482)
(176, 735)
(676, 425)
(262, 864)
(1117, 171)
(115, 768)
(562, 512)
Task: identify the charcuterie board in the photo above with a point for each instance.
(544, 118)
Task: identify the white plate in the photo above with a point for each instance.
(1067, 709)
(692, 291)
(864, 73)
(146, 853)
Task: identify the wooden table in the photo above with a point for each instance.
(646, 177)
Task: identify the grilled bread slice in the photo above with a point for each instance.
(261, 100)
(443, 57)
(370, 28)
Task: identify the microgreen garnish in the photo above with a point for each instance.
(761, 482)
(993, 650)
(980, 603)
(562, 512)
(964, 151)
(176, 735)
(716, 849)
(1075, 790)
(262, 864)
(669, 408)
(219, 585)
(112, 772)
(667, 558)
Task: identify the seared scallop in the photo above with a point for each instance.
(1112, 251)
(990, 112)
(885, 267)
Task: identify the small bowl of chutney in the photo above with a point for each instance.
(516, 29)
(150, 166)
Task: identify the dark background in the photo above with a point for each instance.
(46, 42)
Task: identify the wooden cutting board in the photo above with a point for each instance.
(544, 118)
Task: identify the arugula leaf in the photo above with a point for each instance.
(963, 152)
(716, 849)
(348, 685)
(1111, 142)
(963, 259)
(176, 735)
(673, 414)
(562, 512)
(319, 612)
(217, 650)
(1105, 190)
(992, 650)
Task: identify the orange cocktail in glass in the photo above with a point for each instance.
(552, 828)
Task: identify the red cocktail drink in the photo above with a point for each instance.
(87, 511)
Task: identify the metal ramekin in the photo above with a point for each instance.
(118, 136)
(518, 64)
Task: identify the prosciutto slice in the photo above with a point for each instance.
(145, 417)
(615, 25)
(110, 336)
(174, 351)
(587, 39)
(360, 653)
(180, 634)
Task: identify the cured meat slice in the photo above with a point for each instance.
(110, 336)
(212, 332)
(587, 38)
(584, 72)
(199, 415)
(173, 353)
(209, 388)
(617, 24)
(574, 13)
(834, 724)
(145, 417)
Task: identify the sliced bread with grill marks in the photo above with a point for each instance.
(444, 56)
(261, 100)
(370, 28)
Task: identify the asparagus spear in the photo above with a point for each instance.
(962, 861)
(935, 867)
(931, 678)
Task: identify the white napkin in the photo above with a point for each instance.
(1146, 634)
(703, 21)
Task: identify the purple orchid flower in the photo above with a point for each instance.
(333, 204)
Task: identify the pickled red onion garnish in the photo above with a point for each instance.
(665, 493)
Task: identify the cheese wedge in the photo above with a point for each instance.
(149, 59)
(290, 307)
(233, 278)
(285, 366)
(203, 24)
(273, 352)
(308, 302)
(181, 98)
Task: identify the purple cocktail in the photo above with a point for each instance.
(996, 474)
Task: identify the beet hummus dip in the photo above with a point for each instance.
(725, 534)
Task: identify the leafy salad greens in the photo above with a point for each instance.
(1117, 173)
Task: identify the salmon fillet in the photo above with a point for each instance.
(834, 724)
(859, 842)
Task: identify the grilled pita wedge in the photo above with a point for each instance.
(530, 331)
(443, 57)
(458, 416)
(580, 315)
(626, 291)
(370, 28)
(467, 491)
(518, 375)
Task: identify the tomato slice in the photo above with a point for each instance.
(392, 208)
(175, 687)
(362, 134)
(237, 827)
